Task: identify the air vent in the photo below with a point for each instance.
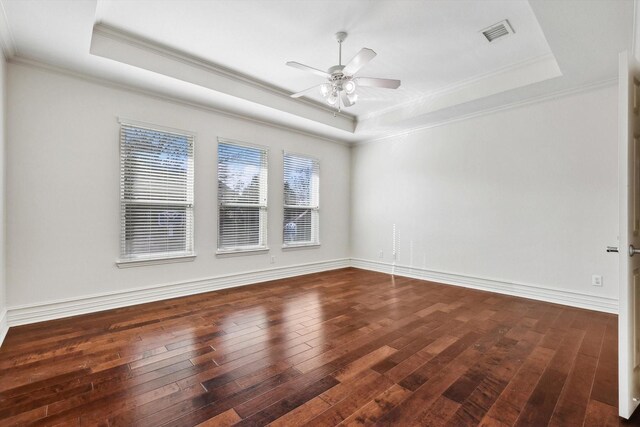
(498, 31)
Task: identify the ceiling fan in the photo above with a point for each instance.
(341, 88)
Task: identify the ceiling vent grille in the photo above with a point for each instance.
(498, 31)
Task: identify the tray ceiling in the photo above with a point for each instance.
(231, 55)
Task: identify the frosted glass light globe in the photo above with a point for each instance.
(350, 87)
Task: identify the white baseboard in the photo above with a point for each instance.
(33, 313)
(4, 325)
(571, 298)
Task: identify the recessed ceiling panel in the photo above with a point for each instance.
(429, 45)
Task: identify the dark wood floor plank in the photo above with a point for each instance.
(572, 404)
(369, 413)
(358, 397)
(544, 397)
(515, 395)
(605, 386)
(435, 365)
(227, 418)
(129, 417)
(26, 417)
(289, 403)
(600, 415)
(349, 347)
(434, 378)
(342, 390)
(302, 414)
(500, 367)
(439, 413)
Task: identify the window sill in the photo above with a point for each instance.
(240, 252)
(139, 262)
(301, 246)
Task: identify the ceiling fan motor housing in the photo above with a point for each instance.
(338, 78)
(336, 70)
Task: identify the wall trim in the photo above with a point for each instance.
(461, 84)
(39, 312)
(33, 63)
(4, 325)
(32, 313)
(184, 58)
(491, 110)
(636, 32)
(540, 293)
(187, 59)
(7, 44)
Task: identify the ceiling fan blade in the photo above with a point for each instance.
(345, 99)
(307, 68)
(299, 94)
(374, 82)
(360, 60)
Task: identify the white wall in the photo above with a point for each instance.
(526, 196)
(63, 220)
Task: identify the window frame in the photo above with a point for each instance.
(131, 260)
(263, 208)
(316, 209)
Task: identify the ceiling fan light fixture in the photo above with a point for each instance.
(341, 88)
(349, 86)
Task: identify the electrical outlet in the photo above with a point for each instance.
(273, 259)
(596, 280)
(380, 254)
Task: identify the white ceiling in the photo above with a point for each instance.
(195, 50)
(257, 37)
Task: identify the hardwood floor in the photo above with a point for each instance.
(344, 347)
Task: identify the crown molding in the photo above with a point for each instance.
(33, 63)
(124, 47)
(487, 111)
(512, 77)
(635, 38)
(25, 61)
(119, 35)
(460, 85)
(6, 39)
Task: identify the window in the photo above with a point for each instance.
(301, 200)
(242, 197)
(156, 194)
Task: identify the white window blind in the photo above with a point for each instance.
(242, 197)
(301, 200)
(156, 193)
